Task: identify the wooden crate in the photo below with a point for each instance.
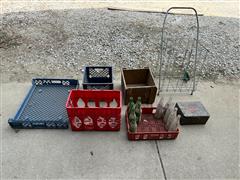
(138, 83)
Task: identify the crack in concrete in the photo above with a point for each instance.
(161, 162)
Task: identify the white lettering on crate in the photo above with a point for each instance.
(145, 136)
(161, 136)
(65, 83)
(56, 81)
(137, 136)
(38, 82)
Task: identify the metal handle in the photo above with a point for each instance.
(197, 34)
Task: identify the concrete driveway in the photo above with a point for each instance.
(208, 151)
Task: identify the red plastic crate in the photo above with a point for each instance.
(150, 128)
(101, 117)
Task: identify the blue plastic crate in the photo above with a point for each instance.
(44, 105)
(98, 77)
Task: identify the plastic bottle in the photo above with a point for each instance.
(159, 110)
(132, 120)
(138, 109)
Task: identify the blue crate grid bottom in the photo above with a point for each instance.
(45, 108)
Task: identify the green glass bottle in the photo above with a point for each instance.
(132, 120)
(131, 105)
(138, 109)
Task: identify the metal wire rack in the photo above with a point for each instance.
(181, 59)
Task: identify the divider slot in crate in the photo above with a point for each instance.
(94, 110)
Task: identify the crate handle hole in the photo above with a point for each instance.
(102, 103)
(80, 103)
(91, 103)
(113, 103)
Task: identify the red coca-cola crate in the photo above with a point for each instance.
(149, 128)
(98, 110)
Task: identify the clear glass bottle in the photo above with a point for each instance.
(166, 115)
(159, 110)
(168, 104)
(171, 118)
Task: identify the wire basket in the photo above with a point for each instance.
(181, 59)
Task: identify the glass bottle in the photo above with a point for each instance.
(138, 109)
(132, 120)
(171, 118)
(166, 115)
(130, 105)
(168, 104)
(159, 110)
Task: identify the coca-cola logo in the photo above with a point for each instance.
(192, 108)
(88, 121)
(101, 122)
(112, 122)
(77, 122)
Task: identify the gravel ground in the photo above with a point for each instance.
(58, 43)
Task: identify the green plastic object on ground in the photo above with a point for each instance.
(186, 76)
(138, 109)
